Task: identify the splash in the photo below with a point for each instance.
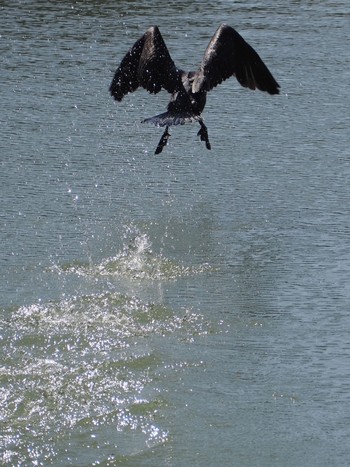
(137, 260)
(85, 371)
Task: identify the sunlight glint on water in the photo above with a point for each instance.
(188, 309)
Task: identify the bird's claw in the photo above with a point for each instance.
(203, 133)
(163, 141)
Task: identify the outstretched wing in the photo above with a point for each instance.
(147, 64)
(228, 54)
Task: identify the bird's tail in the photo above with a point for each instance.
(172, 118)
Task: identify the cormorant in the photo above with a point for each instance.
(148, 64)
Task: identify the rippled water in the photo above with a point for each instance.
(184, 309)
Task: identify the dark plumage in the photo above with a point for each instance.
(148, 64)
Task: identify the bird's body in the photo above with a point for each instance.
(148, 64)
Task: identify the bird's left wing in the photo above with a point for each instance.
(228, 54)
(147, 64)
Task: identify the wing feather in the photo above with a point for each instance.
(228, 54)
(147, 64)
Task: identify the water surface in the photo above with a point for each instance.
(183, 309)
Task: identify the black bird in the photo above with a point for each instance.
(148, 64)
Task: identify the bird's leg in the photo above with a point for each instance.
(163, 141)
(203, 133)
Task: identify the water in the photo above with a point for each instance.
(184, 309)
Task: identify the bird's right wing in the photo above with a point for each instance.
(147, 64)
(228, 54)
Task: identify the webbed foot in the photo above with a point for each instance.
(163, 141)
(203, 133)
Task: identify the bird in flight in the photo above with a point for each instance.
(148, 64)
